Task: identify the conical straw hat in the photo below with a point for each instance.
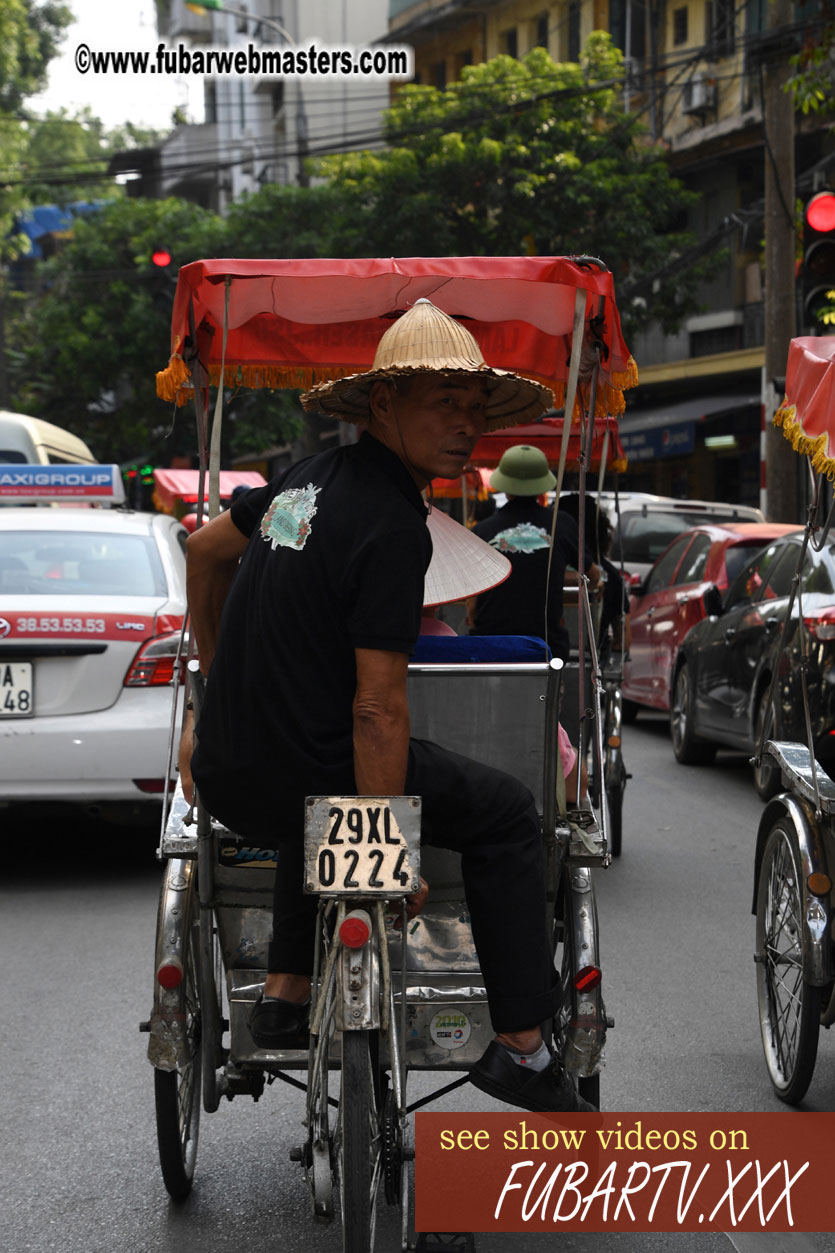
(462, 564)
(425, 340)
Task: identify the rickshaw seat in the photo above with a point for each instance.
(488, 710)
(480, 648)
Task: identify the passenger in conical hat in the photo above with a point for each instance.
(306, 601)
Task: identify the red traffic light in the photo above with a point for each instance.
(820, 211)
(161, 257)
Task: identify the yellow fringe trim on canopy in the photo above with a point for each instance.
(813, 448)
(174, 383)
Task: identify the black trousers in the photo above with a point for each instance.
(490, 819)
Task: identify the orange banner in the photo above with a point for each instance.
(517, 1171)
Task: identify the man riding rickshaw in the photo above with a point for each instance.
(308, 679)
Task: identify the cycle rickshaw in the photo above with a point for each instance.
(596, 450)
(386, 1002)
(794, 897)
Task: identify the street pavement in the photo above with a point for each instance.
(78, 1157)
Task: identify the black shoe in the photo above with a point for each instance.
(277, 1024)
(546, 1091)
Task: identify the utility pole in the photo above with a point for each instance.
(781, 463)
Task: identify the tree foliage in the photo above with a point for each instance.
(29, 38)
(84, 351)
(812, 83)
(65, 156)
(521, 156)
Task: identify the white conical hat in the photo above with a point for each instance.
(462, 564)
(425, 340)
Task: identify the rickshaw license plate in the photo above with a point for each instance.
(362, 845)
(16, 689)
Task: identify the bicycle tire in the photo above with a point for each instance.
(359, 1150)
(789, 1006)
(177, 1092)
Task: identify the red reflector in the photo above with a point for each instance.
(587, 978)
(170, 974)
(355, 929)
(151, 785)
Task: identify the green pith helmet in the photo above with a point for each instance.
(522, 471)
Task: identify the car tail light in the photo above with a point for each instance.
(632, 580)
(170, 973)
(355, 929)
(153, 665)
(587, 977)
(821, 626)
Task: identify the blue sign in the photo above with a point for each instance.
(659, 441)
(24, 484)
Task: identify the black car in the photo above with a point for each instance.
(723, 670)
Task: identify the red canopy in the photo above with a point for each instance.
(293, 323)
(173, 485)
(807, 414)
(547, 436)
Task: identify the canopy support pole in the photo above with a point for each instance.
(568, 414)
(217, 420)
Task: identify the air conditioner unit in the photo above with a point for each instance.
(699, 95)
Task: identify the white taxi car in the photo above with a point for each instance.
(92, 602)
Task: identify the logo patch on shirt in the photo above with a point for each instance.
(287, 521)
(524, 538)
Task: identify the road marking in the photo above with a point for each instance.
(772, 1242)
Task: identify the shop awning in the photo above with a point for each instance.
(694, 409)
(173, 485)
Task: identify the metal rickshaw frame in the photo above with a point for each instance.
(214, 909)
(794, 897)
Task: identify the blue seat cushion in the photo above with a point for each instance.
(480, 648)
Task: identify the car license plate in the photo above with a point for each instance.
(16, 689)
(362, 845)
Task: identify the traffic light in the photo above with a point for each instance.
(163, 281)
(818, 273)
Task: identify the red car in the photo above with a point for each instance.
(671, 600)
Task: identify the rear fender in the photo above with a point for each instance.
(817, 911)
(167, 1048)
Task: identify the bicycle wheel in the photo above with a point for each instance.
(359, 1147)
(177, 1092)
(789, 1005)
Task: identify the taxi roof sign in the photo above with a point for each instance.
(45, 484)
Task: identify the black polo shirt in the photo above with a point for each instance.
(521, 530)
(336, 561)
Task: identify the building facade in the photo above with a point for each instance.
(694, 72)
(259, 130)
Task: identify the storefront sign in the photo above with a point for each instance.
(674, 440)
